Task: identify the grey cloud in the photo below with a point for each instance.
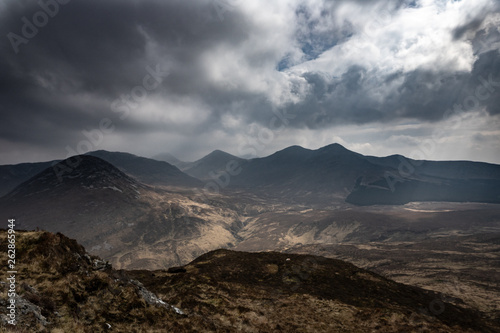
(475, 23)
(97, 49)
(485, 82)
(423, 94)
(470, 26)
(65, 78)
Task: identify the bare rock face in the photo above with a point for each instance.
(26, 312)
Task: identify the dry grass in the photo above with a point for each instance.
(221, 291)
(55, 276)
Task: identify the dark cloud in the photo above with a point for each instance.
(423, 95)
(231, 63)
(98, 50)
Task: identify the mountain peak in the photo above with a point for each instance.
(214, 162)
(81, 171)
(335, 147)
(82, 167)
(292, 150)
(218, 152)
(216, 156)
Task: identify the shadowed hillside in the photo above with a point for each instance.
(276, 292)
(61, 288)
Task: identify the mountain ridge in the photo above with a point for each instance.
(211, 164)
(331, 173)
(147, 170)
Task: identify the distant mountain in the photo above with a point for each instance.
(323, 176)
(211, 164)
(148, 170)
(89, 173)
(13, 175)
(119, 218)
(440, 169)
(297, 173)
(420, 180)
(334, 173)
(61, 198)
(171, 159)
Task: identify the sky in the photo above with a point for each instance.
(418, 78)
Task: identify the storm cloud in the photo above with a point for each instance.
(189, 77)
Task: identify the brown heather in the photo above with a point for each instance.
(66, 290)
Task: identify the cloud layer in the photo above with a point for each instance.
(249, 77)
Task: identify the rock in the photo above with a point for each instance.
(152, 299)
(100, 265)
(25, 307)
(87, 258)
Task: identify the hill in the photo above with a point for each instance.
(212, 164)
(64, 199)
(61, 288)
(276, 292)
(119, 218)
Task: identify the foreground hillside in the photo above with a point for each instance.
(466, 268)
(62, 289)
(276, 292)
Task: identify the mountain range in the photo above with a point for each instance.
(334, 173)
(329, 174)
